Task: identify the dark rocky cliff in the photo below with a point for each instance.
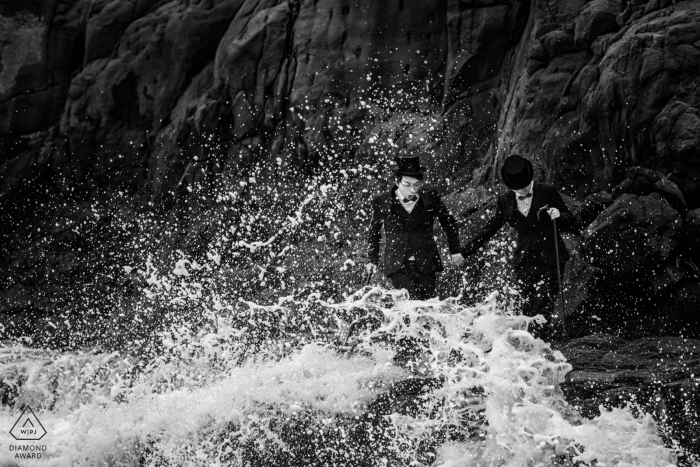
(150, 99)
(130, 129)
(126, 93)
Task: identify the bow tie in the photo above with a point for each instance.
(409, 199)
(526, 196)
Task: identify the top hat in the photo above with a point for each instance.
(408, 165)
(517, 172)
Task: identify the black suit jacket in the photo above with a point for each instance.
(535, 236)
(410, 234)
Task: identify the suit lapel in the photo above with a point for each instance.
(427, 204)
(510, 206)
(536, 203)
(517, 217)
(408, 219)
(392, 203)
(394, 208)
(413, 218)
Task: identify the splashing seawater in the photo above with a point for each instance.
(416, 383)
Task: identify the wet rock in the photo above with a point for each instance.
(558, 42)
(40, 52)
(264, 37)
(642, 182)
(675, 127)
(465, 202)
(595, 280)
(632, 259)
(323, 66)
(538, 52)
(662, 375)
(154, 61)
(162, 96)
(692, 233)
(577, 276)
(592, 206)
(689, 188)
(633, 230)
(598, 17)
(660, 71)
(480, 39)
(65, 274)
(543, 29)
(585, 353)
(107, 22)
(133, 118)
(676, 313)
(567, 121)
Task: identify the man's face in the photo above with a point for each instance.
(409, 186)
(523, 191)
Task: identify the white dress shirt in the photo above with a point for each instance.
(524, 204)
(409, 205)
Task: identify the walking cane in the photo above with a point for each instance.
(561, 290)
(368, 278)
(370, 274)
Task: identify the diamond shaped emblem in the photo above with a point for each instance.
(28, 427)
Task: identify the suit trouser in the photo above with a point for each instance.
(539, 287)
(420, 285)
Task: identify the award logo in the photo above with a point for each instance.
(28, 427)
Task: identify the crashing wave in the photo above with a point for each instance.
(375, 380)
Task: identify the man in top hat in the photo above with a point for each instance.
(530, 208)
(407, 212)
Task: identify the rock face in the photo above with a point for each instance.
(155, 60)
(633, 270)
(129, 91)
(156, 96)
(41, 48)
(659, 374)
(631, 231)
(637, 262)
(692, 230)
(597, 18)
(598, 95)
(643, 182)
(163, 97)
(158, 82)
(159, 97)
(136, 89)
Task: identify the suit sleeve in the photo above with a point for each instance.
(374, 233)
(566, 219)
(488, 231)
(449, 225)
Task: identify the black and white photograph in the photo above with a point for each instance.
(349, 233)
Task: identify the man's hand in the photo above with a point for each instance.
(458, 259)
(371, 268)
(553, 213)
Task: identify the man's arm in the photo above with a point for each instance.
(449, 225)
(487, 231)
(374, 233)
(565, 219)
